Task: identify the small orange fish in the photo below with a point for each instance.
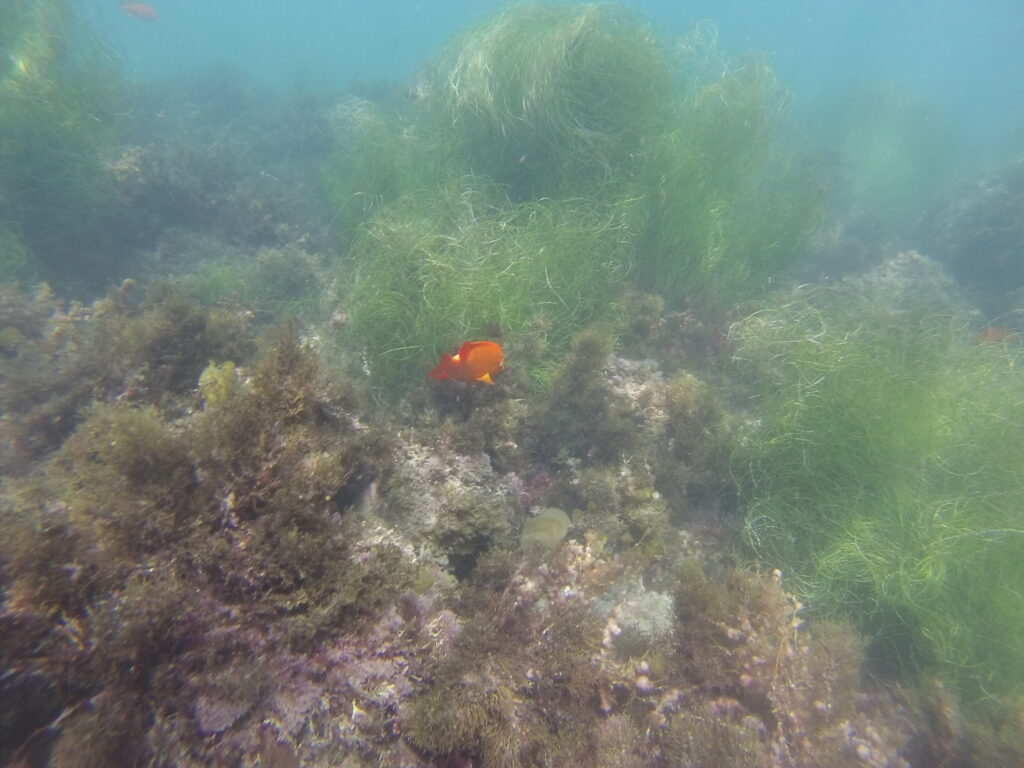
(993, 335)
(475, 361)
(140, 11)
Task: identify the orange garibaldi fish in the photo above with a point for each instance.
(993, 335)
(475, 361)
(139, 11)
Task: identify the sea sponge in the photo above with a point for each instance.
(547, 527)
(218, 382)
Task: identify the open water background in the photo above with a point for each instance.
(965, 59)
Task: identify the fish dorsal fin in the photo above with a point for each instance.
(467, 347)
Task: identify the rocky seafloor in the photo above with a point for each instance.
(218, 552)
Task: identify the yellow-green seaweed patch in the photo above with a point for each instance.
(884, 479)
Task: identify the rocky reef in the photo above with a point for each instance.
(976, 233)
(244, 562)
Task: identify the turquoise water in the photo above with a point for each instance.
(965, 57)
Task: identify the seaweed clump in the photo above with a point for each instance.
(884, 479)
(126, 348)
(770, 678)
(520, 687)
(273, 283)
(478, 713)
(562, 155)
(60, 98)
(691, 465)
(550, 669)
(730, 193)
(158, 546)
(467, 528)
(582, 418)
(547, 99)
(461, 262)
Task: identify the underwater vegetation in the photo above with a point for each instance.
(567, 666)
(60, 105)
(730, 193)
(176, 552)
(59, 357)
(376, 160)
(217, 549)
(240, 563)
(461, 261)
(883, 478)
(553, 156)
(549, 100)
(582, 418)
(272, 283)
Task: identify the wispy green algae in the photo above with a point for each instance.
(554, 156)
(462, 262)
(883, 479)
(549, 99)
(60, 113)
(730, 192)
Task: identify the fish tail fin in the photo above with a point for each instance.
(443, 370)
